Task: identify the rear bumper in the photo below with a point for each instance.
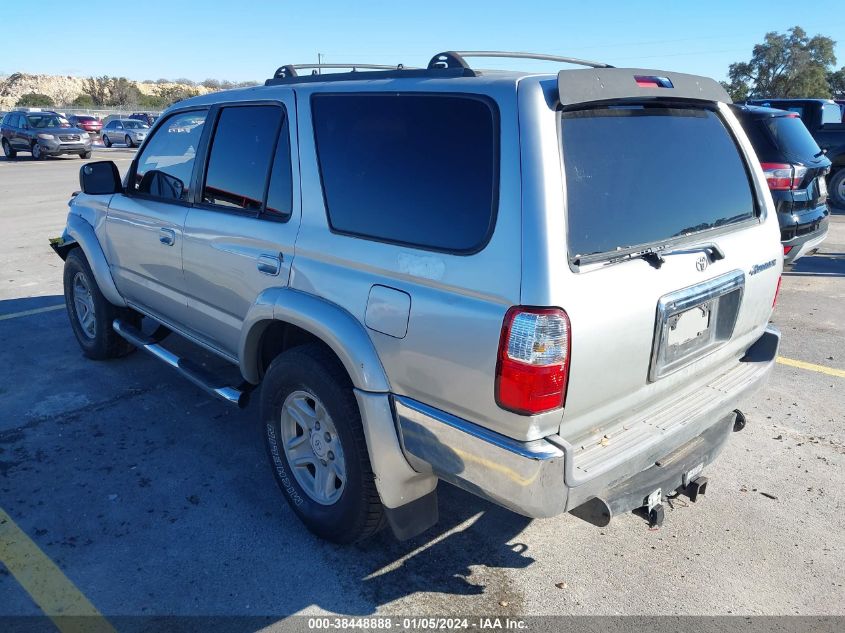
(546, 477)
(804, 244)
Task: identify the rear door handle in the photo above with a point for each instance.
(167, 236)
(270, 264)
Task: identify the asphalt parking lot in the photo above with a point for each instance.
(152, 499)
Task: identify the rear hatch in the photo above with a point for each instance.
(674, 263)
(794, 164)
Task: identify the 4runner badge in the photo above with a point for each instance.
(758, 268)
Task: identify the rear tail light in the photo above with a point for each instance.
(533, 363)
(777, 292)
(783, 176)
(786, 249)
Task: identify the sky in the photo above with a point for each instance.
(249, 39)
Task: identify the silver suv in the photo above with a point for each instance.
(551, 290)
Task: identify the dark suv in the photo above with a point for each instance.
(43, 134)
(144, 117)
(795, 168)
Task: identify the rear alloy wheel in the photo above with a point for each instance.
(837, 188)
(315, 443)
(129, 142)
(37, 152)
(8, 151)
(106, 141)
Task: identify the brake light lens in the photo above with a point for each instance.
(786, 249)
(777, 292)
(533, 361)
(783, 176)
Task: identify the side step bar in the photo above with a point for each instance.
(193, 372)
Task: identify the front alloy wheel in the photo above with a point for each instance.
(37, 152)
(83, 304)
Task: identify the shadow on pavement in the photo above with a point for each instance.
(156, 500)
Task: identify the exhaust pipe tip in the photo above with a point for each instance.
(739, 421)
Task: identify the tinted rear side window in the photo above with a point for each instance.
(241, 151)
(639, 175)
(792, 137)
(414, 169)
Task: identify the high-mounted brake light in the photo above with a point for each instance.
(648, 81)
(533, 363)
(783, 176)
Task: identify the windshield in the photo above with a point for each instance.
(40, 121)
(642, 175)
(134, 125)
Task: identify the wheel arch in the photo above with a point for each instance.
(82, 234)
(305, 317)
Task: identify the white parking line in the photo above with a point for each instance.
(15, 315)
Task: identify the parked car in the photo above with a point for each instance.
(841, 107)
(145, 117)
(795, 168)
(90, 124)
(128, 131)
(485, 278)
(43, 134)
(823, 119)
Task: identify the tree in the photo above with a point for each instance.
(171, 94)
(34, 100)
(785, 65)
(837, 83)
(151, 102)
(83, 101)
(211, 84)
(111, 91)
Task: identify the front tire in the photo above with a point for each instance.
(315, 443)
(37, 152)
(129, 142)
(90, 313)
(8, 151)
(106, 141)
(85, 154)
(837, 188)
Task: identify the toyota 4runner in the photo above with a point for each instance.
(551, 290)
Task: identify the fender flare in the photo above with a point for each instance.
(327, 321)
(83, 234)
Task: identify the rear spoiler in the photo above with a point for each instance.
(610, 84)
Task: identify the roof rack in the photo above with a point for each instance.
(455, 59)
(446, 64)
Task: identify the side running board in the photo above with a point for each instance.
(193, 372)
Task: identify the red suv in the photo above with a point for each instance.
(90, 124)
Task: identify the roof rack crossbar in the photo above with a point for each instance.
(455, 59)
(289, 70)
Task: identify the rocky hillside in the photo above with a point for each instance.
(64, 89)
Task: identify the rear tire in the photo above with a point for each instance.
(90, 313)
(836, 188)
(106, 141)
(8, 151)
(309, 416)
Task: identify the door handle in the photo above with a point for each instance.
(167, 236)
(270, 264)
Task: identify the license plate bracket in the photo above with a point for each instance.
(693, 322)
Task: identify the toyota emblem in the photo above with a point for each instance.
(701, 263)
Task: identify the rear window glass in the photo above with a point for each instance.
(639, 175)
(791, 136)
(416, 169)
(831, 113)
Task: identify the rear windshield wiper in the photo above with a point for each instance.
(655, 255)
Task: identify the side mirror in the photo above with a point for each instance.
(162, 185)
(100, 178)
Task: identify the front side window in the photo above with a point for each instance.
(241, 151)
(641, 175)
(166, 164)
(413, 169)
